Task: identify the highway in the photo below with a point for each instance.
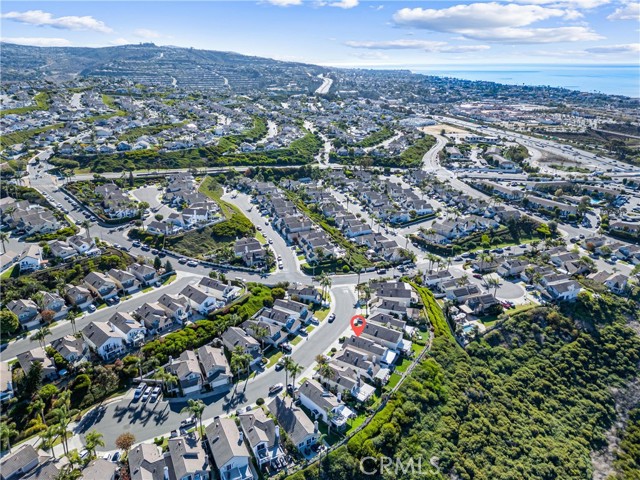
(326, 85)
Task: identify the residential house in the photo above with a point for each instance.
(104, 339)
(229, 452)
(62, 250)
(224, 292)
(78, 296)
(81, 243)
(215, 366)
(55, 303)
(386, 337)
(186, 459)
(154, 317)
(329, 407)
(19, 463)
(145, 274)
(566, 290)
(177, 306)
(263, 437)
(99, 469)
(305, 294)
(132, 330)
(30, 259)
(38, 354)
(201, 299)
(125, 282)
(6, 382)
(101, 285)
(617, 283)
(26, 311)
(302, 432)
(250, 251)
(187, 369)
(236, 337)
(73, 349)
(146, 462)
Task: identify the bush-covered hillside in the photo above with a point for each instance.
(530, 400)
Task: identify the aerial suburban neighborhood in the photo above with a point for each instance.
(235, 275)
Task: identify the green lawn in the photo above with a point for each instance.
(9, 273)
(393, 381)
(296, 340)
(321, 314)
(260, 238)
(417, 349)
(273, 358)
(403, 366)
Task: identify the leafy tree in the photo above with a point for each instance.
(168, 267)
(125, 441)
(9, 322)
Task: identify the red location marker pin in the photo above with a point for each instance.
(358, 323)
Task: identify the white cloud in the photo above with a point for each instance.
(38, 41)
(40, 18)
(579, 4)
(494, 22)
(344, 4)
(535, 35)
(630, 11)
(146, 33)
(614, 49)
(120, 41)
(284, 3)
(426, 45)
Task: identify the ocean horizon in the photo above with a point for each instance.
(609, 79)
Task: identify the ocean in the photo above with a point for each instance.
(610, 79)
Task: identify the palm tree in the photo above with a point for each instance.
(38, 298)
(195, 408)
(4, 236)
(168, 379)
(6, 432)
(41, 335)
(93, 439)
(330, 416)
(432, 259)
(366, 289)
(48, 436)
(72, 317)
(325, 371)
(86, 224)
(63, 419)
(294, 369)
(37, 406)
(260, 332)
(326, 282)
(286, 363)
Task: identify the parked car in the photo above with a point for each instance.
(146, 395)
(192, 263)
(286, 347)
(275, 388)
(115, 458)
(331, 317)
(182, 261)
(188, 422)
(139, 391)
(155, 394)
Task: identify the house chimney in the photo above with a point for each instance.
(170, 360)
(339, 396)
(315, 426)
(277, 433)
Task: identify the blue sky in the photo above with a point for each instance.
(398, 33)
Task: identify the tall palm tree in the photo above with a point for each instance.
(6, 432)
(366, 289)
(86, 224)
(41, 335)
(195, 408)
(38, 298)
(4, 236)
(72, 317)
(294, 369)
(92, 440)
(286, 363)
(48, 436)
(326, 282)
(168, 378)
(260, 332)
(62, 417)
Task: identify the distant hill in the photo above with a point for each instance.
(183, 67)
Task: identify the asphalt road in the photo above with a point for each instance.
(154, 420)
